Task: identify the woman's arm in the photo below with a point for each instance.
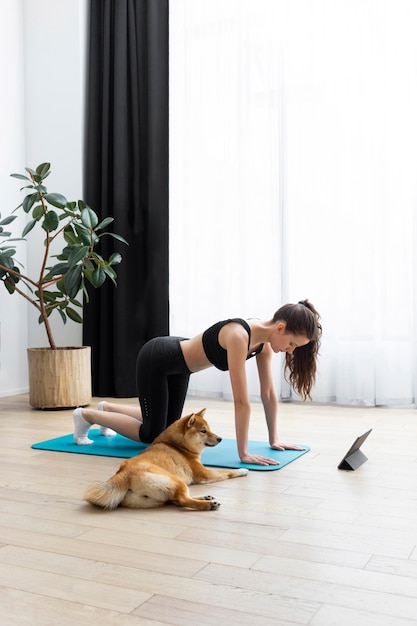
(268, 393)
(270, 399)
(235, 340)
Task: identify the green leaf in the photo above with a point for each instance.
(28, 227)
(111, 274)
(89, 265)
(51, 221)
(89, 218)
(56, 199)
(15, 279)
(85, 234)
(98, 260)
(61, 257)
(70, 236)
(74, 315)
(10, 286)
(7, 253)
(63, 316)
(41, 189)
(105, 222)
(7, 261)
(57, 270)
(43, 169)
(61, 286)
(73, 280)
(37, 212)
(86, 294)
(8, 220)
(21, 177)
(13, 239)
(29, 201)
(118, 237)
(68, 249)
(77, 254)
(98, 276)
(51, 296)
(115, 258)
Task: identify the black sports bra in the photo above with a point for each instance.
(214, 351)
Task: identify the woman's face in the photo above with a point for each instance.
(282, 341)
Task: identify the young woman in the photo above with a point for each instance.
(164, 366)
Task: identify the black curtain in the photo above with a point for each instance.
(126, 177)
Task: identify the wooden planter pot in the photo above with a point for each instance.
(59, 378)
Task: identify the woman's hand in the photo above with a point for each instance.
(256, 459)
(278, 445)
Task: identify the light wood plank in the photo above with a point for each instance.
(302, 590)
(21, 607)
(308, 544)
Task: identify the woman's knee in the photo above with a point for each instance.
(147, 433)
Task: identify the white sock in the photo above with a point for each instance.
(106, 432)
(81, 428)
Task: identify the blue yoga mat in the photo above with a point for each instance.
(223, 455)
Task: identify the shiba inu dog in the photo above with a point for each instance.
(162, 472)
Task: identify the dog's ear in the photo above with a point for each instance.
(201, 412)
(191, 420)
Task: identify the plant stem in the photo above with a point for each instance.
(49, 333)
(23, 294)
(43, 311)
(19, 275)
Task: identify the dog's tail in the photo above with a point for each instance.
(108, 495)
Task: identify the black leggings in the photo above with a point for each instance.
(162, 378)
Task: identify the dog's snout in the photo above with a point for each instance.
(218, 439)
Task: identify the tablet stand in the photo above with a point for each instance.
(354, 457)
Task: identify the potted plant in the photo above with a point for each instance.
(58, 377)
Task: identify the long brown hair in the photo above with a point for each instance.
(301, 319)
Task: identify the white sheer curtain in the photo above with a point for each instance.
(293, 174)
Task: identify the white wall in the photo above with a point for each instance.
(13, 316)
(42, 54)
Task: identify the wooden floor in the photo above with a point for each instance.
(308, 544)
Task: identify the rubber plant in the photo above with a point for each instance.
(61, 278)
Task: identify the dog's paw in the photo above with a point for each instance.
(213, 503)
(242, 471)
